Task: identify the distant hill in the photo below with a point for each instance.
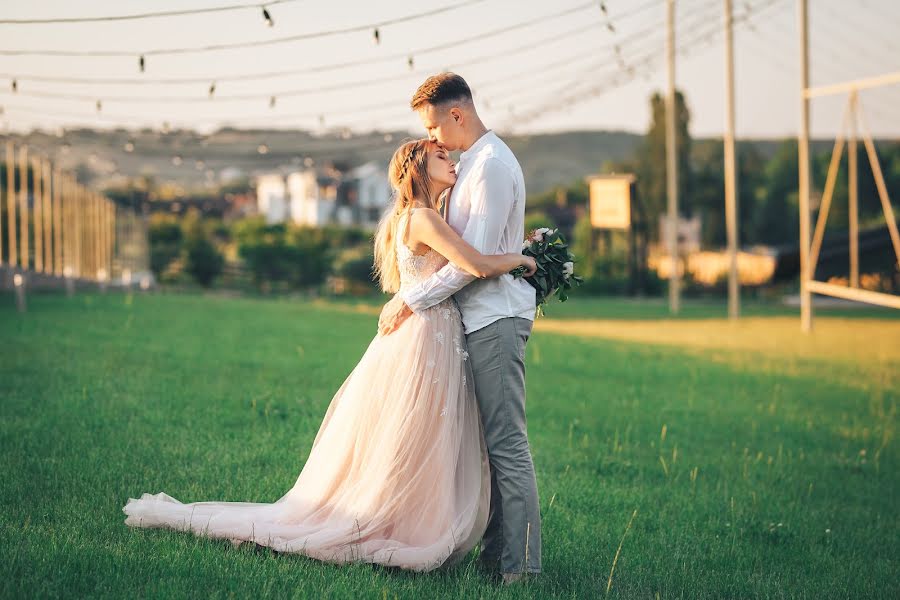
(189, 160)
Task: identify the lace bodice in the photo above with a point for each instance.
(415, 267)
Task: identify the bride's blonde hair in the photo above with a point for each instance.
(408, 176)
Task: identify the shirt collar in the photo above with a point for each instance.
(478, 145)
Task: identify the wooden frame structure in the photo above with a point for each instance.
(853, 124)
(55, 226)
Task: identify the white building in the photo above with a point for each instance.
(373, 192)
(271, 198)
(317, 198)
(312, 198)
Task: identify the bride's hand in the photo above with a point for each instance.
(394, 313)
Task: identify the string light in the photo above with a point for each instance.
(15, 86)
(141, 63)
(376, 36)
(272, 102)
(99, 106)
(267, 17)
(253, 44)
(328, 68)
(212, 89)
(152, 15)
(410, 62)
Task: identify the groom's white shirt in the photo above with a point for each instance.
(486, 208)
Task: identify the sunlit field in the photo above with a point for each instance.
(751, 461)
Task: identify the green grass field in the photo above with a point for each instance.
(762, 463)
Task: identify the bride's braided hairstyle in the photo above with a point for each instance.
(408, 176)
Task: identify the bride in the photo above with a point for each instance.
(398, 471)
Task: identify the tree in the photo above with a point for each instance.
(651, 159)
(201, 259)
(166, 239)
(777, 218)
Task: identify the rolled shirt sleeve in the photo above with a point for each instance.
(491, 198)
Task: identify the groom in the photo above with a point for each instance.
(487, 208)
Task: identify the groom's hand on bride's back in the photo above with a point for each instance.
(394, 313)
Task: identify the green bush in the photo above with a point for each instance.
(166, 239)
(202, 261)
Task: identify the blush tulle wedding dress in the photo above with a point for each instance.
(398, 473)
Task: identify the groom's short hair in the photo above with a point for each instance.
(439, 89)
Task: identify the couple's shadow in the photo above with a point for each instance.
(467, 567)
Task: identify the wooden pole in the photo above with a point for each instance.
(730, 173)
(830, 180)
(79, 229)
(803, 157)
(111, 236)
(57, 224)
(48, 217)
(671, 163)
(882, 188)
(852, 181)
(68, 227)
(13, 255)
(37, 180)
(23, 207)
(94, 235)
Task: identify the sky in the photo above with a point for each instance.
(534, 66)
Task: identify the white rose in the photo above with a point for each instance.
(539, 234)
(568, 268)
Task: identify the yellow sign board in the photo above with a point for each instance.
(611, 201)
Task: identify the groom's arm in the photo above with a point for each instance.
(492, 195)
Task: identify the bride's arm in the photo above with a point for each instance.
(427, 227)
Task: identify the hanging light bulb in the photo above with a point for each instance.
(129, 146)
(267, 17)
(262, 149)
(15, 86)
(272, 102)
(376, 36)
(410, 62)
(610, 27)
(99, 106)
(141, 63)
(603, 7)
(212, 89)
(177, 160)
(322, 120)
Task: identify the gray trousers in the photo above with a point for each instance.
(497, 356)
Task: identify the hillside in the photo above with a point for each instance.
(190, 161)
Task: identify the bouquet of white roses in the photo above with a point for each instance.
(555, 265)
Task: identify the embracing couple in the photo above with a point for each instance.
(423, 451)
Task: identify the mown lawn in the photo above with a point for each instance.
(762, 463)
